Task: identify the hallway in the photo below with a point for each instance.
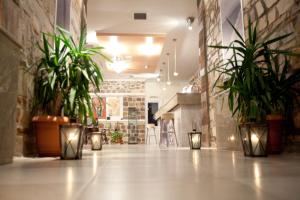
(145, 172)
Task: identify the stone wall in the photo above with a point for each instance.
(122, 86)
(133, 94)
(25, 20)
(210, 34)
(11, 53)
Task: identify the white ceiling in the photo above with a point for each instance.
(163, 17)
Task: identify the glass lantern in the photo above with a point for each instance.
(71, 141)
(195, 140)
(96, 139)
(254, 139)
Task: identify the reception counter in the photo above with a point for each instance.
(186, 109)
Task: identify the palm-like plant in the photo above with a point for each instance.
(65, 74)
(244, 74)
(282, 84)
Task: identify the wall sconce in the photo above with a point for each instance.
(195, 140)
(71, 141)
(96, 139)
(190, 21)
(254, 139)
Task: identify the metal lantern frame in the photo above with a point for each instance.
(96, 141)
(197, 135)
(254, 138)
(71, 148)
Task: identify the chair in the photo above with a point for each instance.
(150, 133)
(167, 130)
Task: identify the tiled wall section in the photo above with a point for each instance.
(25, 20)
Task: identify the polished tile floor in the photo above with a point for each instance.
(147, 173)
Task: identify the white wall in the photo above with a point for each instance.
(155, 93)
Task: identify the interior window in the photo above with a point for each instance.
(63, 14)
(230, 11)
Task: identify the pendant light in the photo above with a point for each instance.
(164, 88)
(169, 81)
(175, 58)
(158, 79)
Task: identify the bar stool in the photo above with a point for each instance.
(149, 133)
(167, 129)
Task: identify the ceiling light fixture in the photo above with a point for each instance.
(189, 22)
(146, 66)
(149, 48)
(175, 59)
(91, 38)
(169, 81)
(149, 40)
(119, 63)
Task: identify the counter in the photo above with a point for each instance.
(186, 109)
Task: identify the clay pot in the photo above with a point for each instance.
(276, 126)
(46, 129)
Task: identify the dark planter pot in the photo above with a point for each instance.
(46, 129)
(254, 138)
(276, 126)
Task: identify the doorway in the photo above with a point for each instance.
(152, 109)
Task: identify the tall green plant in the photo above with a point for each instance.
(244, 74)
(65, 74)
(282, 83)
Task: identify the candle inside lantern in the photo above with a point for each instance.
(71, 141)
(71, 137)
(195, 140)
(255, 145)
(96, 141)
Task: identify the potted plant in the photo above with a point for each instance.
(117, 137)
(63, 78)
(244, 77)
(281, 95)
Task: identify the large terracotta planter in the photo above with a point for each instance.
(275, 124)
(47, 134)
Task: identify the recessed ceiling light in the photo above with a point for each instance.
(146, 66)
(168, 82)
(158, 79)
(149, 40)
(164, 88)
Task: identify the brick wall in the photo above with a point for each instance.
(25, 20)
